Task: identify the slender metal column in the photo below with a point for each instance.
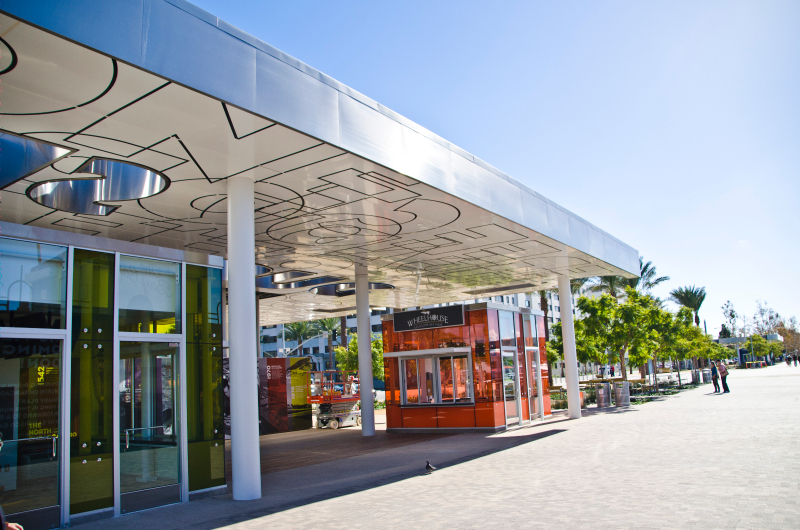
(182, 420)
(64, 423)
(245, 451)
(570, 353)
(115, 364)
(364, 330)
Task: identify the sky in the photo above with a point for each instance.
(674, 126)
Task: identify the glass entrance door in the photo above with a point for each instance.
(149, 457)
(29, 417)
(510, 386)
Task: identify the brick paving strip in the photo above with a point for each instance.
(695, 460)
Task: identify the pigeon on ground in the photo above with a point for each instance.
(428, 467)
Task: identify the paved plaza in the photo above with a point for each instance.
(694, 460)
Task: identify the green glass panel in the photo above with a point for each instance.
(29, 410)
(91, 453)
(204, 378)
(33, 285)
(149, 295)
(204, 410)
(93, 296)
(203, 304)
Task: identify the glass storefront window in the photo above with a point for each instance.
(461, 376)
(446, 378)
(33, 285)
(507, 337)
(426, 381)
(412, 382)
(29, 412)
(432, 380)
(149, 295)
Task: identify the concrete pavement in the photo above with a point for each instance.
(695, 460)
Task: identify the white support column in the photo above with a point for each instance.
(570, 353)
(245, 451)
(364, 330)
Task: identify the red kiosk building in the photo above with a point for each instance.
(464, 368)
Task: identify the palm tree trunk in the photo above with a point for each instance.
(543, 307)
(330, 351)
(343, 327)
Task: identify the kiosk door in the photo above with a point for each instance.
(149, 464)
(29, 416)
(511, 387)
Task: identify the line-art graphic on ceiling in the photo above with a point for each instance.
(136, 157)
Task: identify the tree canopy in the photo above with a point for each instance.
(347, 358)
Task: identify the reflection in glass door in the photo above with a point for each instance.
(29, 414)
(510, 386)
(149, 458)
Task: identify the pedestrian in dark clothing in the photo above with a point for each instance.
(723, 373)
(612, 371)
(788, 360)
(795, 360)
(715, 377)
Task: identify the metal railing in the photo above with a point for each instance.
(54, 438)
(128, 433)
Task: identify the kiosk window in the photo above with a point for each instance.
(437, 380)
(412, 382)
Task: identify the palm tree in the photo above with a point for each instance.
(298, 331)
(577, 285)
(647, 277)
(613, 285)
(690, 297)
(329, 325)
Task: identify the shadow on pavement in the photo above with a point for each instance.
(404, 459)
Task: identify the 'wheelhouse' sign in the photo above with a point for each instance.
(436, 317)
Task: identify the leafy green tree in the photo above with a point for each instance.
(775, 348)
(586, 348)
(347, 358)
(759, 346)
(665, 331)
(619, 327)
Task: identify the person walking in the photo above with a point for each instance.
(788, 360)
(715, 377)
(723, 374)
(795, 360)
(612, 370)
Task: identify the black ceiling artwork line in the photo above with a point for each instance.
(233, 129)
(13, 63)
(103, 93)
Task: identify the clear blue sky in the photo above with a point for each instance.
(675, 126)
